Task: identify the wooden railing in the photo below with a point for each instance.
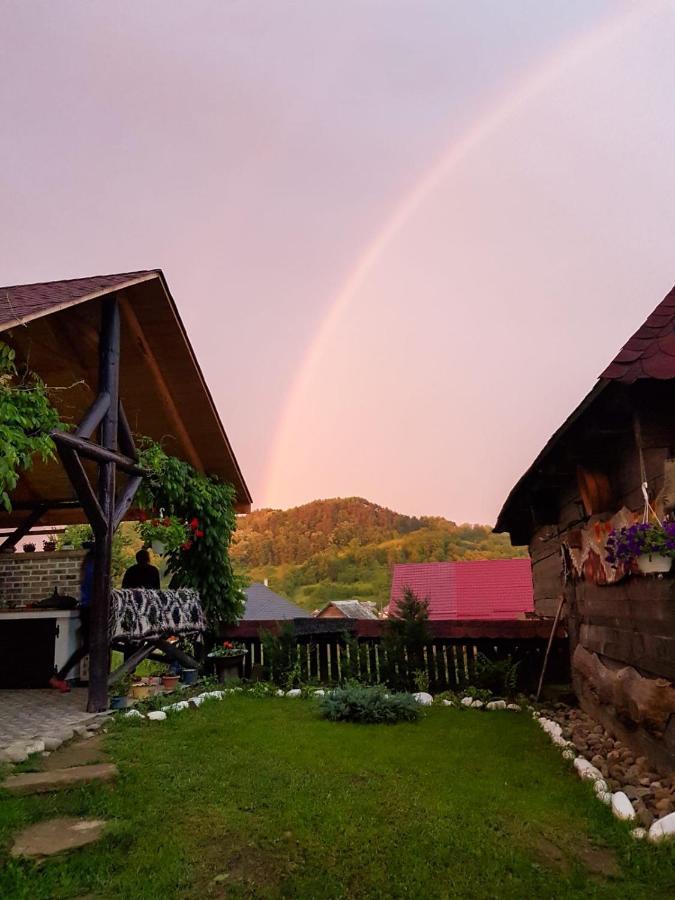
(330, 650)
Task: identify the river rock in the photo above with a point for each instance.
(157, 715)
(663, 829)
(496, 704)
(294, 693)
(466, 701)
(423, 698)
(622, 807)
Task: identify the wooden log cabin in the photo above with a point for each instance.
(587, 480)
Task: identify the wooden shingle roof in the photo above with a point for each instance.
(54, 326)
(650, 352)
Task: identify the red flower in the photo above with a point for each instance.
(194, 524)
(186, 546)
(228, 645)
(166, 521)
(155, 523)
(142, 516)
(199, 534)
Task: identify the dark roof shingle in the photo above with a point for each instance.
(263, 605)
(650, 353)
(22, 302)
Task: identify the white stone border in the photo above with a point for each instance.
(622, 808)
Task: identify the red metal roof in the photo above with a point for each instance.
(650, 353)
(23, 302)
(487, 589)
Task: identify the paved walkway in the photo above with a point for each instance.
(34, 713)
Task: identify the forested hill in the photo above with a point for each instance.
(343, 548)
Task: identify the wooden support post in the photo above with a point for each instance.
(109, 360)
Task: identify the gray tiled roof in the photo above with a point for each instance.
(262, 604)
(355, 609)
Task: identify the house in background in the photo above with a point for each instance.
(263, 605)
(349, 609)
(488, 589)
(586, 481)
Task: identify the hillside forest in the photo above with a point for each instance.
(345, 548)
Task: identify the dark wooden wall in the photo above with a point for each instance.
(622, 636)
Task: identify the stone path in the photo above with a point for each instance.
(58, 779)
(29, 714)
(56, 835)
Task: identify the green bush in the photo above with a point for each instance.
(500, 676)
(368, 703)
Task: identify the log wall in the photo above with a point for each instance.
(621, 636)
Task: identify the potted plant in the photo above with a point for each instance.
(650, 546)
(169, 682)
(140, 691)
(29, 548)
(227, 659)
(121, 699)
(164, 534)
(49, 545)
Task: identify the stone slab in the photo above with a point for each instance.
(56, 836)
(59, 779)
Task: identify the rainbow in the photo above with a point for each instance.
(532, 85)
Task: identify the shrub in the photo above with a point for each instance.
(280, 655)
(370, 704)
(499, 676)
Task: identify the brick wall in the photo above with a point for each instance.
(26, 577)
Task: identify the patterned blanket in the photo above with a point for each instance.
(145, 614)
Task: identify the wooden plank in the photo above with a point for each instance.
(322, 650)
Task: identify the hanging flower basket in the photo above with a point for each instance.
(654, 563)
(164, 533)
(650, 546)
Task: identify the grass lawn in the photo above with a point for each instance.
(260, 797)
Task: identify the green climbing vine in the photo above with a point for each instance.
(26, 418)
(206, 506)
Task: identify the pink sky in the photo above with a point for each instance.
(404, 236)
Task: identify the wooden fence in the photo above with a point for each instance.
(330, 650)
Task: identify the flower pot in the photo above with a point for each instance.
(654, 563)
(159, 547)
(169, 682)
(29, 548)
(189, 676)
(120, 702)
(140, 691)
(227, 667)
(49, 546)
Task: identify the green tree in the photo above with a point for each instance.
(406, 635)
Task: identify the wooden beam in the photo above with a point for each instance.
(131, 662)
(97, 453)
(82, 486)
(93, 416)
(22, 530)
(125, 435)
(181, 432)
(171, 650)
(125, 500)
(109, 363)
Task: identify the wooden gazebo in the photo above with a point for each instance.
(115, 348)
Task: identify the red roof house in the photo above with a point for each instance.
(487, 589)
